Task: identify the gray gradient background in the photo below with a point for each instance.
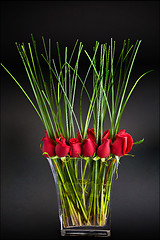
(28, 196)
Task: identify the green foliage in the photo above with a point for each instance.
(142, 140)
(56, 98)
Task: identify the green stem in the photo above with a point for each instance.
(77, 195)
(95, 191)
(82, 178)
(108, 185)
(91, 193)
(102, 216)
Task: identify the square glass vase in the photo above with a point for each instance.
(83, 189)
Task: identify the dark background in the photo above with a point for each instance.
(28, 196)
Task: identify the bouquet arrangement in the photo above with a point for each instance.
(84, 157)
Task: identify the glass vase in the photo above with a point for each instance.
(83, 191)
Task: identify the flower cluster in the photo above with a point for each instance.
(75, 147)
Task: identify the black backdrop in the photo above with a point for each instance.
(28, 196)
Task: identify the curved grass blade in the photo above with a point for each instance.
(126, 83)
(37, 92)
(23, 92)
(118, 120)
(139, 142)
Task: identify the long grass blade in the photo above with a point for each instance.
(126, 83)
(23, 92)
(120, 115)
(69, 104)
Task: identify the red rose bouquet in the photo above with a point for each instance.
(83, 160)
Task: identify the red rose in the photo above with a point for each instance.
(104, 149)
(48, 146)
(89, 147)
(122, 144)
(75, 150)
(62, 149)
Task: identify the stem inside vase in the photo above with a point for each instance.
(84, 189)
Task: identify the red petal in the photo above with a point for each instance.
(75, 150)
(62, 151)
(119, 145)
(122, 132)
(104, 149)
(129, 142)
(73, 141)
(88, 148)
(79, 137)
(106, 134)
(90, 133)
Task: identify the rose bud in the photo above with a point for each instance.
(89, 147)
(48, 146)
(62, 149)
(75, 147)
(106, 134)
(104, 149)
(122, 144)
